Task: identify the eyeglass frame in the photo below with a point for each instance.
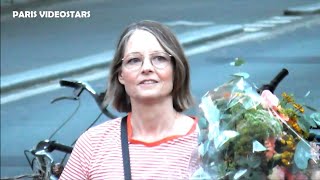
(123, 59)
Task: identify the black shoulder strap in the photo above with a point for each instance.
(125, 149)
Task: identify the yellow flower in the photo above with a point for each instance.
(299, 107)
(286, 155)
(287, 98)
(285, 162)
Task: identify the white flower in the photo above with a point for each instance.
(277, 174)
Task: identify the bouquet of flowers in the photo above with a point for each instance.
(245, 135)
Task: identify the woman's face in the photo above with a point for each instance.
(146, 83)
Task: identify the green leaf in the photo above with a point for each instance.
(307, 94)
(302, 155)
(242, 74)
(203, 124)
(224, 137)
(257, 174)
(237, 62)
(257, 146)
(254, 161)
(203, 135)
(203, 148)
(242, 161)
(200, 174)
(303, 124)
(240, 173)
(210, 110)
(316, 118)
(310, 121)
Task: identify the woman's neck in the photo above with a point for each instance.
(153, 121)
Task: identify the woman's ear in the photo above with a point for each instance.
(120, 78)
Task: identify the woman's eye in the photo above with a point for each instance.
(160, 58)
(134, 61)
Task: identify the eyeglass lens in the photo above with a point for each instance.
(135, 61)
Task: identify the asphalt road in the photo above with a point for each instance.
(33, 43)
(31, 119)
(296, 50)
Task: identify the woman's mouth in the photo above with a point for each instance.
(148, 82)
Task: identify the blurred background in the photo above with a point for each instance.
(37, 52)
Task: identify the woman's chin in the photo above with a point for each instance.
(149, 97)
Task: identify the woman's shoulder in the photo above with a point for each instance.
(186, 124)
(97, 137)
(106, 128)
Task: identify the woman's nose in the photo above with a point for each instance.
(147, 65)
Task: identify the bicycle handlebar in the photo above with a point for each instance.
(274, 82)
(80, 86)
(53, 145)
(50, 146)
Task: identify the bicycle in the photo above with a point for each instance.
(39, 157)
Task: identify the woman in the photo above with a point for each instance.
(149, 79)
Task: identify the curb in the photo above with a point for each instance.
(303, 10)
(50, 73)
(209, 33)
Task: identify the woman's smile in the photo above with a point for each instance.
(148, 82)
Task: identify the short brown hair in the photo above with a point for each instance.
(181, 94)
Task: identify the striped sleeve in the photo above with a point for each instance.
(79, 162)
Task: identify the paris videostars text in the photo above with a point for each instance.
(51, 14)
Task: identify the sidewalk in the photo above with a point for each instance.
(29, 78)
(303, 10)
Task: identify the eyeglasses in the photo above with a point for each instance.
(134, 61)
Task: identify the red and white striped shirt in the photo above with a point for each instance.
(98, 155)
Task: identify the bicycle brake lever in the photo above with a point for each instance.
(63, 98)
(44, 153)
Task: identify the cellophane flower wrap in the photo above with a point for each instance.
(241, 137)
